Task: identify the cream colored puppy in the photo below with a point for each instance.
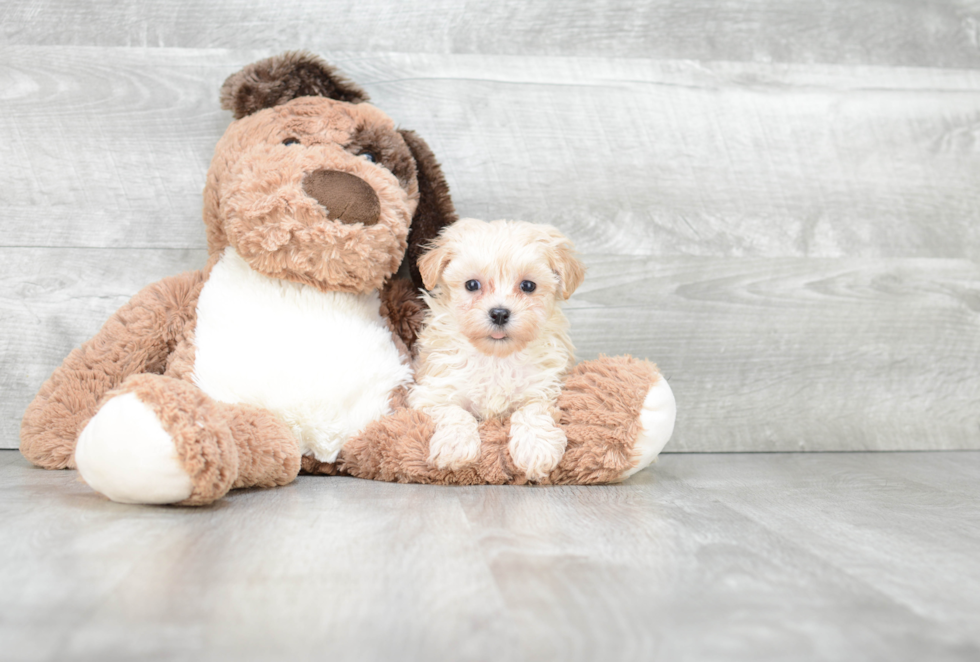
(495, 342)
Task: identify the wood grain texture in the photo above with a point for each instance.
(895, 556)
(736, 557)
(106, 149)
(746, 556)
(109, 148)
(797, 354)
(635, 157)
(902, 32)
(762, 354)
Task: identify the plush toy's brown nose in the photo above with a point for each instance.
(347, 198)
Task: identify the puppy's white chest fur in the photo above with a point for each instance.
(491, 387)
(324, 361)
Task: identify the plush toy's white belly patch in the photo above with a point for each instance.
(324, 361)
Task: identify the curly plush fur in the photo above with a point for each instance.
(134, 407)
(172, 349)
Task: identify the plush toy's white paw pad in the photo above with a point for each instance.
(456, 441)
(657, 420)
(125, 454)
(536, 444)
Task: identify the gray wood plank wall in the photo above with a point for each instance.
(776, 199)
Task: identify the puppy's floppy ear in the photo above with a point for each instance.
(280, 78)
(433, 262)
(564, 261)
(434, 212)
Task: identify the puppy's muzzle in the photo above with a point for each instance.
(499, 316)
(346, 197)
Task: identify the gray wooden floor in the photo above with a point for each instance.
(830, 556)
(777, 199)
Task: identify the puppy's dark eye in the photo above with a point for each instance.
(291, 141)
(527, 286)
(472, 285)
(368, 156)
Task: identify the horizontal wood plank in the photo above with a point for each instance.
(762, 354)
(942, 34)
(109, 148)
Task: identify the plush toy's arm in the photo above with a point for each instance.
(138, 338)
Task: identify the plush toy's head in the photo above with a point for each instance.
(313, 184)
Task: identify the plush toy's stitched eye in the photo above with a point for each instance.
(291, 141)
(472, 285)
(527, 286)
(368, 156)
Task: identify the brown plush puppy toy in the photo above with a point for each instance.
(290, 348)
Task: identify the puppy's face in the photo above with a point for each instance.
(502, 280)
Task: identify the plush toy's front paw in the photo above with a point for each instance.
(536, 443)
(456, 441)
(125, 454)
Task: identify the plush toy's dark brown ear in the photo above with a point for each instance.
(280, 78)
(435, 210)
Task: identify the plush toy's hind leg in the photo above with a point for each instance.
(656, 426)
(162, 440)
(618, 413)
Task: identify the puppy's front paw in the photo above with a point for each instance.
(536, 443)
(456, 441)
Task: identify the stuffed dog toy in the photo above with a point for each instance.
(291, 348)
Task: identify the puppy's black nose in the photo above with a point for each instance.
(499, 316)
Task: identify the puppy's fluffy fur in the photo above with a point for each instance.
(493, 345)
